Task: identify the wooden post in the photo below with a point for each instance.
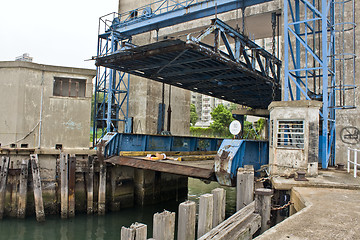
(137, 231)
(23, 188)
(102, 189)
(90, 185)
(219, 206)
(206, 208)
(164, 225)
(263, 206)
(244, 187)
(186, 223)
(72, 165)
(39, 205)
(3, 181)
(64, 185)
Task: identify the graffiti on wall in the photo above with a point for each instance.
(350, 135)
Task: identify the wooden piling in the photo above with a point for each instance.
(72, 165)
(219, 206)
(90, 185)
(3, 181)
(244, 187)
(64, 185)
(186, 222)
(102, 189)
(23, 189)
(137, 231)
(206, 205)
(39, 205)
(164, 225)
(263, 206)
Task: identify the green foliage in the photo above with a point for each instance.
(201, 132)
(193, 115)
(222, 118)
(251, 132)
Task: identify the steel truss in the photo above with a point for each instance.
(310, 63)
(116, 31)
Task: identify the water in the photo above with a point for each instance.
(102, 227)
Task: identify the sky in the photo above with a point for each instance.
(62, 33)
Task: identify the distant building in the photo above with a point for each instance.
(24, 58)
(44, 106)
(204, 105)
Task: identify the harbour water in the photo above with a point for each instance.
(102, 227)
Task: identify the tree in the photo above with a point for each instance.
(222, 118)
(193, 115)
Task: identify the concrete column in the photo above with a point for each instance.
(263, 206)
(186, 222)
(244, 187)
(206, 206)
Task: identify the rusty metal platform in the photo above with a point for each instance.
(197, 169)
(197, 67)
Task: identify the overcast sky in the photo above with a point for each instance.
(60, 33)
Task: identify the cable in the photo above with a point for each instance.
(32, 130)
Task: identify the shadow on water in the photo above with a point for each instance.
(102, 227)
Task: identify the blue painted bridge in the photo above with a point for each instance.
(220, 157)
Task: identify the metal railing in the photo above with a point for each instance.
(355, 162)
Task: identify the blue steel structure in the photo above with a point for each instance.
(309, 55)
(141, 142)
(234, 154)
(115, 33)
(310, 62)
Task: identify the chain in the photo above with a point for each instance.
(282, 207)
(273, 25)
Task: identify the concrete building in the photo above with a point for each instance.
(46, 106)
(204, 105)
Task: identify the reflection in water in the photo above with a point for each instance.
(102, 227)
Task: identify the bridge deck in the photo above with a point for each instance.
(198, 169)
(196, 67)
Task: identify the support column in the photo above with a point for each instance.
(263, 206)
(186, 222)
(244, 187)
(164, 225)
(206, 208)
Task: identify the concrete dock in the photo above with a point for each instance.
(326, 207)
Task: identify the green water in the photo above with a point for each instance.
(101, 227)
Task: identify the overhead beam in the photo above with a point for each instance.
(181, 15)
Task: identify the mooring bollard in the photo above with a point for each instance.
(244, 187)
(263, 206)
(164, 225)
(137, 231)
(186, 223)
(206, 208)
(219, 206)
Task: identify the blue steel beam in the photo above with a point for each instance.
(162, 15)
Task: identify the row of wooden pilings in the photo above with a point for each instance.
(251, 216)
(67, 167)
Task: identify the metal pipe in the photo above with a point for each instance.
(169, 111)
(41, 108)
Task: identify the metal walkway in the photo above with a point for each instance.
(251, 78)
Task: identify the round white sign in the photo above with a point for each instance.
(235, 127)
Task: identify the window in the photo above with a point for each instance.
(69, 87)
(290, 134)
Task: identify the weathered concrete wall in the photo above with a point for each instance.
(285, 161)
(145, 95)
(65, 120)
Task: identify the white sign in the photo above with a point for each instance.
(235, 127)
